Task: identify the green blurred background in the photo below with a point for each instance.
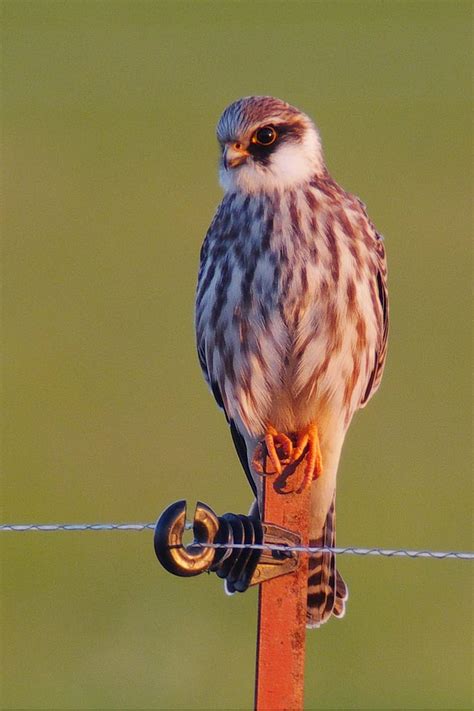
(109, 165)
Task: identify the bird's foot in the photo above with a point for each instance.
(273, 453)
(307, 444)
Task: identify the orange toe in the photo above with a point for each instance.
(308, 444)
(272, 453)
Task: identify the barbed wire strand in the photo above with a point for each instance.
(340, 550)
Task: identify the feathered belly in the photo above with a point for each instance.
(290, 355)
(286, 323)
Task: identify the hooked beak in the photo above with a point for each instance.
(234, 155)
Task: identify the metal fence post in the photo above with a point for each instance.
(282, 607)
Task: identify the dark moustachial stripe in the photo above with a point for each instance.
(261, 154)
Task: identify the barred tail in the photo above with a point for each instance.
(327, 591)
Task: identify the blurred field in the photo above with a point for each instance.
(109, 165)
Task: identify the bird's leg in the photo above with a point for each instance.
(275, 446)
(308, 441)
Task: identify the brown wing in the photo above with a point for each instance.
(329, 187)
(206, 271)
(382, 294)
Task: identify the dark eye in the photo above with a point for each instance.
(265, 136)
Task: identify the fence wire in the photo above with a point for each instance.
(23, 527)
(340, 550)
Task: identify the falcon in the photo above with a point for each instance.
(291, 313)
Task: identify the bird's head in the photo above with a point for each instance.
(267, 144)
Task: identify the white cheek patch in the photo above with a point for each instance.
(289, 164)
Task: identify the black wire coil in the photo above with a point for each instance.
(236, 566)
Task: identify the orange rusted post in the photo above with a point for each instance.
(282, 604)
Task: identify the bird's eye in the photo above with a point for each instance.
(265, 136)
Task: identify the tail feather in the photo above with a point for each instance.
(327, 591)
(342, 594)
(341, 588)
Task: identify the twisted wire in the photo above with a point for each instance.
(22, 527)
(340, 550)
(351, 550)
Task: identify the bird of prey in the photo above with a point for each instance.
(291, 312)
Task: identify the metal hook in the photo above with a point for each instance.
(240, 566)
(173, 555)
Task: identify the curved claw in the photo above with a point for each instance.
(307, 444)
(277, 448)
(173, 555)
